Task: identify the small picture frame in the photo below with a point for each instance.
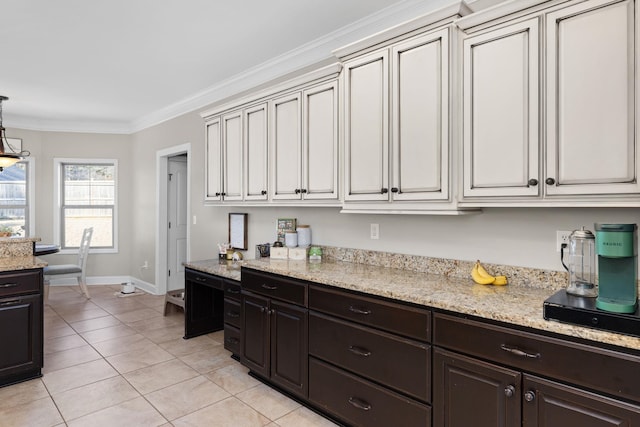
(284, 225)
(238, 230)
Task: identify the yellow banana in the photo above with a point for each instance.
(480, 275)
(500, 281)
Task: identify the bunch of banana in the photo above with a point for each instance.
(480, 276)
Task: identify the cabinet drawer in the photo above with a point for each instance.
(232, 312)
(232, 290)
(204, 279)
(396, 318)
(396, 362)
(232, 339)
(360, 402)
(276, 287)
(18, 283)
(601, 369)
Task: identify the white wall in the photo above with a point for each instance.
(44, 147)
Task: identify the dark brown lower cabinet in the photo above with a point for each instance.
(274, 343)
(203, 303)
(360, 402)
(232, 318)
(21, 328)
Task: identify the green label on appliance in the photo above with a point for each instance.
(615, 244)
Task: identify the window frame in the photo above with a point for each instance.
(30, 210)
(58, 196)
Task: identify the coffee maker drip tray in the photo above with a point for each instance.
(582, 311)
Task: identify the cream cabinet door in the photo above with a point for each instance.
(366, 81)
(591, 99)
(320, 142)
(286, 147)
(501, 142)
(256, 152)
(232, 156)
(420, 118)
(213, 159)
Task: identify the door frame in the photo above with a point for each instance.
(162, 189)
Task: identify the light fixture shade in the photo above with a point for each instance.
(7, 160)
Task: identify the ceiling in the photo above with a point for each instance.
(123, 65)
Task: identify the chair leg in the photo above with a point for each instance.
(46, 291)
(83, 287)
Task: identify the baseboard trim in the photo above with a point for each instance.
(108, 280)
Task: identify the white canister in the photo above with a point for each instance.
(304, 236)
(291, 239)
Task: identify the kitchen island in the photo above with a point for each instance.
(21, 311)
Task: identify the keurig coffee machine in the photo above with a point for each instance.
(617, 250)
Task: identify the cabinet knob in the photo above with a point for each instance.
(509, 391)
(217, 194)
(223, 194)
(303, 191)
(395, 190)
(533, 182)
(529, 396)
(550, 181)
(263, 192)
(297, 191)
(384, 191)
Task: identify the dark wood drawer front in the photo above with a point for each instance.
(396, 362)
(276, 287)
(359, 402)
(204, 279)
(19, 283)
(232, 339)
(605, 370)
(396, 318)
(232, 290)
(232, 312)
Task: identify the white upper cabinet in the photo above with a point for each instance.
(584, 152)
(256, 152)
(286, 145)
(213, 160)
(232, 156)
(397, 139)
(320, 167)
(420, 118)
(366, 127)
(591, 99)
(501, 142)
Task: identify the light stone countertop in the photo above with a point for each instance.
(512, 304)
(21, 263)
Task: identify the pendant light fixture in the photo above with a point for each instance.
(10, 158)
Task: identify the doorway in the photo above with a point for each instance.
(174, 210)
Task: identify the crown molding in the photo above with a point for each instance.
(17, 121)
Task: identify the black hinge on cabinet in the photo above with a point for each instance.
(169, 224)
(170, 175)
(169, 273)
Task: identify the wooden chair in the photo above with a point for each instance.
(72, 270)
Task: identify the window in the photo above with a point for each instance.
(15, 199)
(86, 197)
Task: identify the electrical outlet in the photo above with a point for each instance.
(145, 265)
(375, 231)
(562, 237)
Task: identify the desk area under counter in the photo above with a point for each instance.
(477, 331)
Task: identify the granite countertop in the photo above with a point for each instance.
(21, 263)
(517, 305)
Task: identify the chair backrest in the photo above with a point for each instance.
(83, 251)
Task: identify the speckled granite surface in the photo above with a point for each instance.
(17, 246)
(518, 305)
(21, 263)
(228, 269)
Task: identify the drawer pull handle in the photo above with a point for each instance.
(518, 352)
(359, 310)
(233, 340)
(200, 279)
(233, 314)
(8, 285)
(233, 291)
(269, 287)
(360, 404)
(10, 302)
(359, 351)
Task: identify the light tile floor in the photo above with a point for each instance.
(114, 361)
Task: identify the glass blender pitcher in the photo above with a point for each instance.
(582, 264)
